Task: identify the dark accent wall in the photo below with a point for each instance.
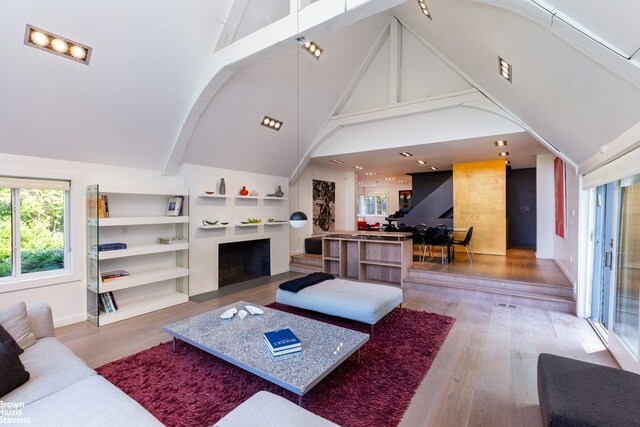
(521, 208)
(242, 261)
(432, 199)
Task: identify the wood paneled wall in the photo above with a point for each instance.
(479, 200)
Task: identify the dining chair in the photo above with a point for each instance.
(441, 237)
(466, 243)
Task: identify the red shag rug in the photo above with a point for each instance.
(193, 388)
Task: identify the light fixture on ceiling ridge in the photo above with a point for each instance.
(500, 143)
(310, 47)
(504, 154)
(337, 161)
(504, 68)
(358, 167)
(389, 179)
(271, 123)
(49, 42)
(421, 162)
(433, 168)
(425, 10)
(370, 173)
(406, 154)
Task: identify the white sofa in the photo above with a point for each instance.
(63, 390)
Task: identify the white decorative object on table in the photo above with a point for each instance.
(253, 310)
(242, 314)
(229, 313)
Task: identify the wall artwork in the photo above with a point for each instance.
(405, 200)
(324, 206)
(559, 185)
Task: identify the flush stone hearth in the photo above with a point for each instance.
(242, 261)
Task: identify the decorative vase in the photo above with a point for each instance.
(279, 192)
(223, 188)
(244, 191)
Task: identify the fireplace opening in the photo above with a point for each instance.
(242, 261)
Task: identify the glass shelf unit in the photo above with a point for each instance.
(158, 274)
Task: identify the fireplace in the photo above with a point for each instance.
(242, 261)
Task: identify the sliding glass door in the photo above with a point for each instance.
(627, 290)
(602, 258)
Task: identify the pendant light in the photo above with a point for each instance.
(298, 219)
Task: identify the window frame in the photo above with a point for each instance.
(73, 234)
(362, 205)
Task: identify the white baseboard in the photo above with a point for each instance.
(69, 320)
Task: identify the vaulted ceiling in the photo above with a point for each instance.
(576, 76)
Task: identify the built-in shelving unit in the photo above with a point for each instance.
(212, 227)
(158, 273)
(368, 256)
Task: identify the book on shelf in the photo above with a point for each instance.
(109, 247)
(175, 206)
(114, 275)
(108, 302)
(103, 206)
(281, 340)
(113, 300)
(171, 240)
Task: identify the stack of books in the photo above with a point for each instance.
(281, 342)
(108, 302)
(108, 276)
(109, 247)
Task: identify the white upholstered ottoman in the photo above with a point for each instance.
(265, 409)
(363, 302)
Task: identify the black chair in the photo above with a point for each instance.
(465, 243)
(440, 237)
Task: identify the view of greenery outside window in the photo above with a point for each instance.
(32, 227)
(372, 205)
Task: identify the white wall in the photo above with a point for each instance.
(203, 253)
(68, 298)
(345, 202)
(565, 251)
(545, 206)
(393, 197)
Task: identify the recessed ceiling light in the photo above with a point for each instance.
(61, 46)
(358, 167)
(337, 161)
(433, 168)
(405, 154)
(425, 10)
(500, 143)
(310, 47)
(504, 68)
(421, 162)
(389, 179)
(507, 162)
(504, 154)
(361, 183)
(371, 173)
(271, 123)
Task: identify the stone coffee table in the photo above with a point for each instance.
(240, 342)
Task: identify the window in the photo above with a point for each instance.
(33, 227)
(372, 205)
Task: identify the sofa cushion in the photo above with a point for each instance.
(300, 283)
(266, 409)
(14, 319)
(12, 372)
(52, 366)
(91, 401)
(6, 337)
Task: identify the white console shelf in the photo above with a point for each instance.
(158, 273)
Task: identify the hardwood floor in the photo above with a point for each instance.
(484, 374)
(519, 265)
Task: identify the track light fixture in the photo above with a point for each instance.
(271, 123)
(310, 47)
(504, 69)
(49, 42)
(425, 10)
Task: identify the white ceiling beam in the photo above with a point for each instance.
(512, 116)
(628, 69)
(327, 131)
(319, 18)
(231, 24)
(395, 60)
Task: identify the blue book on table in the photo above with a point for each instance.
(282, 339)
